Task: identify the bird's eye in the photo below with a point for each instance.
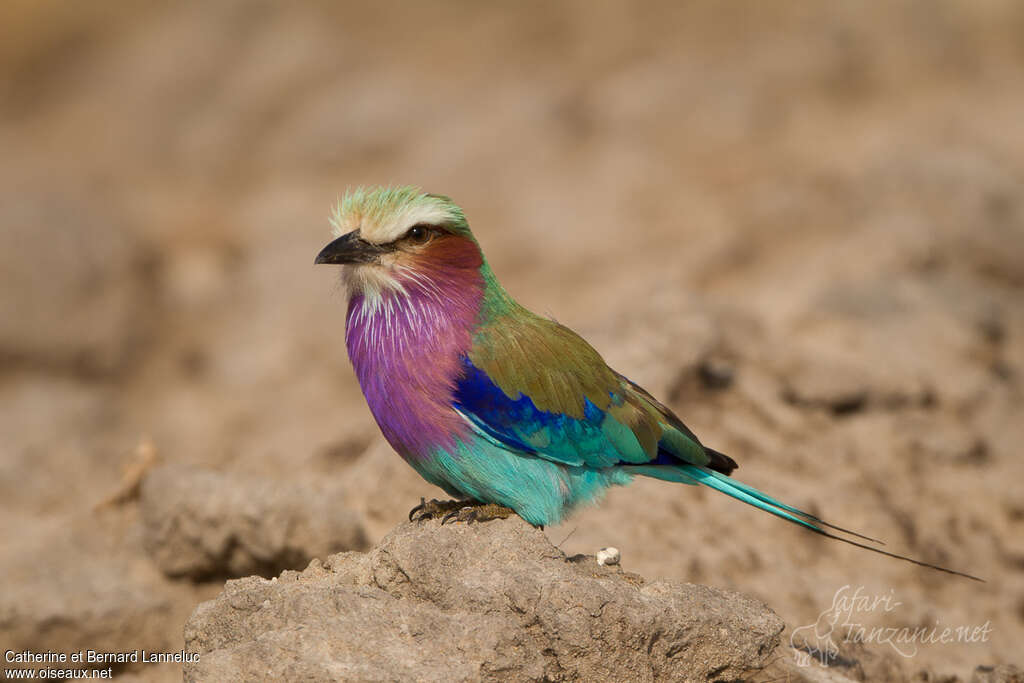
(418, 233)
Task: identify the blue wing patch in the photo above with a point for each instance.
(597, 440)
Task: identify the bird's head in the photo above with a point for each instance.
(391, 238)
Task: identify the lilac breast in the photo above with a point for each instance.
(406, 348)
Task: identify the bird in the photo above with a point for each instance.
(505, 410)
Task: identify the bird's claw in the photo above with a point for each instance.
(478, 513)
(421, 506)
(434, 508)
(454, 513)
(458, 510)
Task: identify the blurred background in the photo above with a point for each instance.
(800, 224)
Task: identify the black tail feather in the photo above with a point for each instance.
(720, 462)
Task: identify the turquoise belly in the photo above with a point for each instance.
(540, 491)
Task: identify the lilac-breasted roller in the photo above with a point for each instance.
(496, 405)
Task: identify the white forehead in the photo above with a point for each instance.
(384, 214)
(381, 228)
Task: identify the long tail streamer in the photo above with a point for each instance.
(694, 474)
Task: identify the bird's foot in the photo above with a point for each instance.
(435, 508)
(478, 512)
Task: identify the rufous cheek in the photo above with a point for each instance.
(450, 253)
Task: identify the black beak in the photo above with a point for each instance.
(349, 248)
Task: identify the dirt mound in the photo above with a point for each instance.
(491, 601)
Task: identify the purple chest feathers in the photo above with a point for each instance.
(405, 346)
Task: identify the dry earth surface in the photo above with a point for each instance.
(800, 224)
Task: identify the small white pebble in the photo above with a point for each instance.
(608, 556)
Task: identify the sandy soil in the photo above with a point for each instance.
(800, 224)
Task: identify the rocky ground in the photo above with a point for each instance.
(800, 224)
(460, 602)
(500, 602)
